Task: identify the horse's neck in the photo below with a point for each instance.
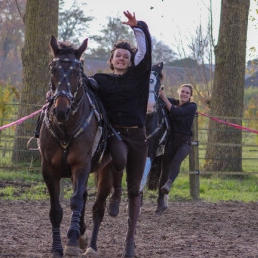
(151, 122)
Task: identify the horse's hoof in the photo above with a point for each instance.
(72, 251)
(55, 255)
(114, 202)
(129, 249)
(90, 253)
(83, 241)
(160, 210)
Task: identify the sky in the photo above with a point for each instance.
(170, 21)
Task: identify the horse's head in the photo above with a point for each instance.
(155, 82)
(66, 77)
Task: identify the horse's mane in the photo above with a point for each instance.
(161, 76)
(66, 48)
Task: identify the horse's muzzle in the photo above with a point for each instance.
(62, 108)
(62, 115)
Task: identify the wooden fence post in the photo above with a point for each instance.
(194, 163)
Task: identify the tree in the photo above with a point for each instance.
(110, 34)
(41, 21)
(224, 152)
(197, 60)
(72, 22)
(11, 39)
(162, 53)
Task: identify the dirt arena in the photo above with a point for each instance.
(186, 229)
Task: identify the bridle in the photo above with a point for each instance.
(156, 88)
(159, 109)
(65, 77)
(74, 104)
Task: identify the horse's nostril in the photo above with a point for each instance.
(68, 112)
(62, 115)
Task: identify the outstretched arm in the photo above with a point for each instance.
(142, 37)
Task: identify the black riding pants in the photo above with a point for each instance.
(129, 153)
(177, 148)
(170, 165)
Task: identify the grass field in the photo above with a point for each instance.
(27, 185)
(24, 181)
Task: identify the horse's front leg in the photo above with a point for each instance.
(83, 238)
(56, 212)
(77, 204)
(98, 210)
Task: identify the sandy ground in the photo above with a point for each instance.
(186, 229)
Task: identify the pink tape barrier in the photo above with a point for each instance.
(230, 124)
(20, 120)
(213, 118)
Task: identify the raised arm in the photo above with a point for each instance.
(142, 36)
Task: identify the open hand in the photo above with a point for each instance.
(162, 94)
(131, 19)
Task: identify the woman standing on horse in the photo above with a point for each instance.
(124, 94)
(181, 114)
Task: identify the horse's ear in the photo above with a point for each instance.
(53, 45)
(160, 65)
(81, 49)
(157, 67)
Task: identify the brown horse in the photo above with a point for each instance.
(68, 138)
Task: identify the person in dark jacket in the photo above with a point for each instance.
(181, 114)
(124, 94)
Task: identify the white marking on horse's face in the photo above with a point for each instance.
(151, 100)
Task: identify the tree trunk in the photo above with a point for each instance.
(41, 21)
(224, 151)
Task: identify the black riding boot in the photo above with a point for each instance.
(162, 203)
(115, 199)
(133, 211)
(166, 187)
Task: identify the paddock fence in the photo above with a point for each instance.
(193, 165)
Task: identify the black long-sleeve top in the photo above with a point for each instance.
(181, 117)
(125, 96)
(181, 120)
